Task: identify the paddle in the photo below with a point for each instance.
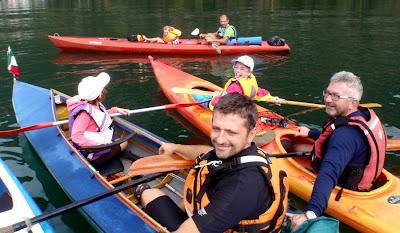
(5, 133)
(215, 45)
(23, 224)
(282, 101)
(195, 32)
(393, 144)
(291, 154)
(166, 163)
(264, 137)
(158, 163)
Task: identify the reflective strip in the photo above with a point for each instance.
(333, 126)
(374, 123)
(252, 158)
(372, 127)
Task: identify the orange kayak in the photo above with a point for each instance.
(186, 46)
(374, 211)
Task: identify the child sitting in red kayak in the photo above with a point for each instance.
(244, 83)
(170, 36)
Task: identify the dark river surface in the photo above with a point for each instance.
(325, 37)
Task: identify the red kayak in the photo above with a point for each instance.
(375, 211)
(169, 77)
(186, 46)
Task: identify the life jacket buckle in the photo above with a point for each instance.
(214, 163)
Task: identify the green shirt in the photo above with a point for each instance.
(230, 32)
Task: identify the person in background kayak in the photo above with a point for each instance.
(244, 82)
(90, 123)
(350, 151)
(223, 34)
(231, 186)
(170, 36)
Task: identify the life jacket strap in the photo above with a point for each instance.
(247, 161)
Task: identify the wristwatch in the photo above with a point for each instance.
(310, 215)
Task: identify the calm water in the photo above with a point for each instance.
(325, 37)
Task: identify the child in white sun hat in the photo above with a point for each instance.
(90, 122)
(244, 82)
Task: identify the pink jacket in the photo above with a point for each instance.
(83, 122)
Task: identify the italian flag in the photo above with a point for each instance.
(12, 63)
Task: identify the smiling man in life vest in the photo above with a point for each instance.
(231, 186)
(350, 151)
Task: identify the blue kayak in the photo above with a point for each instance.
(16, 204)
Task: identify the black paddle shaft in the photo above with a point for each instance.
(21, 225)
(291, 154)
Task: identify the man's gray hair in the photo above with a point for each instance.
(352, 81)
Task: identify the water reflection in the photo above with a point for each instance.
(213, 65)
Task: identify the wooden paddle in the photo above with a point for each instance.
(165, 163)
(5, 133)
(264, 137)
(23, 224)
(158, 163)
(393, 144)
(286, 102)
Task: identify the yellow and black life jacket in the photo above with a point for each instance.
(198, 180)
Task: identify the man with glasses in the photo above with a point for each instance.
(350, 151)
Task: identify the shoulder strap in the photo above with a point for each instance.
(235, 163)
(235, 36)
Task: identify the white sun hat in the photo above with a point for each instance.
(91, 87)
(245, 60)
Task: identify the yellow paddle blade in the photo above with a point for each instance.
(264, 137)
(393, 144)
(371, 105)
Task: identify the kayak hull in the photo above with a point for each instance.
(187, 46)
(363, 211)
(23, 206)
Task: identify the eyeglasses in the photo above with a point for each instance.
(334, 96)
